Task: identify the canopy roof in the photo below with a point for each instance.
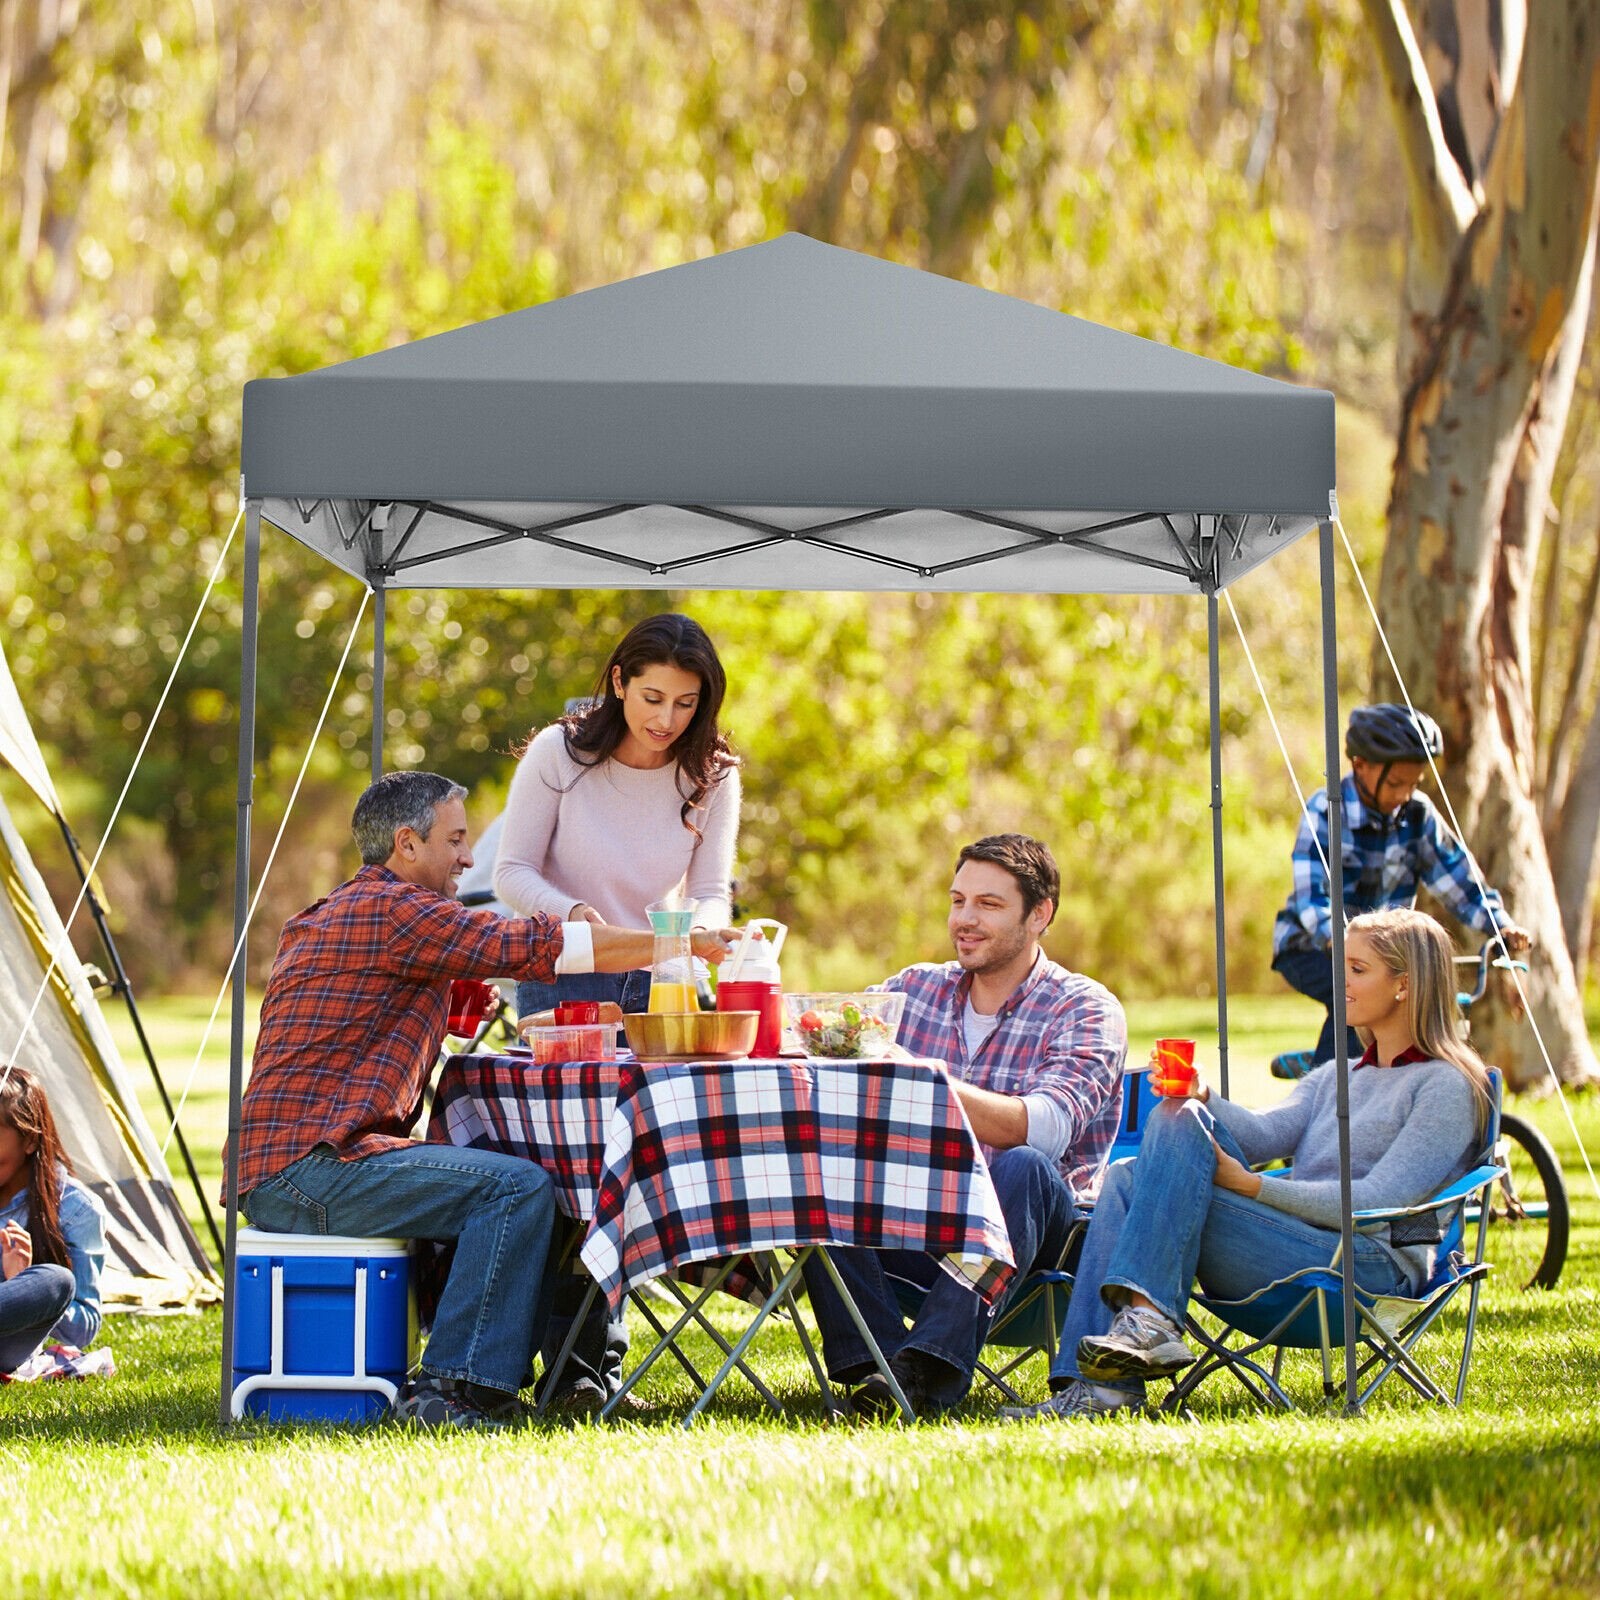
(790, 416)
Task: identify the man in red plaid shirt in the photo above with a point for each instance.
(1035, 1054)
(351, 1025)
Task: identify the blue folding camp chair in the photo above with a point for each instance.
(1031, 1324)
(1305, 1311)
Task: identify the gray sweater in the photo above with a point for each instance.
(1413, 1129)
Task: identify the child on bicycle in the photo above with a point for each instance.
(1394, 840)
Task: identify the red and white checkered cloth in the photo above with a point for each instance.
(555, 1115)
(706, 1161)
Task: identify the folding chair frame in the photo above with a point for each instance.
(1055, 1284)
(1389, 1350)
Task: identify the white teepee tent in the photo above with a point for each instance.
(153, 1257)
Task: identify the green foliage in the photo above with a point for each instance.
(224, 215)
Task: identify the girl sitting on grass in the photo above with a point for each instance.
(1190, 1206)
(52, 1230)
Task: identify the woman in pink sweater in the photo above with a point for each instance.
(625, 803)
(610, 809)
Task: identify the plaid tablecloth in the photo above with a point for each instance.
(555, 1115)
(706, 1161)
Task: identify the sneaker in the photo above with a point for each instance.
(875, 1400)
(1294, 1064)
(1141, 1343)
(434, 1403)
(581, 1398)
(499, 1405)
(1078, 1399)
(585, 1398)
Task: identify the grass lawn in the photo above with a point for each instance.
(126, 1487)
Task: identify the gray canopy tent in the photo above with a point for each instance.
(791, 416)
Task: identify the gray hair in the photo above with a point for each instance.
(399, 800)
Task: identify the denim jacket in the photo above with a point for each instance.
(83, 1225)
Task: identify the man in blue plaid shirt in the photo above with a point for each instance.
(1035, 1055)
(1394, 839)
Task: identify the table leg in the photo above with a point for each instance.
(553, 1376)
(716, 1338)
(866, 1333)
(785, 1284)
(829, 1402)
(660, 1330)
(677, 1327)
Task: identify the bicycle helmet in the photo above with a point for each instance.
(1388, 732)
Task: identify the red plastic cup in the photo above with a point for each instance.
(470, 1002)
(577, 1013)
(1174, 1073)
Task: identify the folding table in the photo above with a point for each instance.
(704, 1167)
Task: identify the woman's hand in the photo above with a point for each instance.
(1233, 1175)
(1197, 1088)
(582, 912)
(16, 1250)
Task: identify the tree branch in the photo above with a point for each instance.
(1442, 205)
(817, 212)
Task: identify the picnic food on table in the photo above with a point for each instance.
(846, 1026)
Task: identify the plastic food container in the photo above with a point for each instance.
(589, 1041)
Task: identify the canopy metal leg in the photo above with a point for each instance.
(241, 911)
(1213, 652)
(1341, 1050)
(379, 594)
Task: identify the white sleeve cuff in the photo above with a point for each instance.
(1047, 1126)
(577, 949)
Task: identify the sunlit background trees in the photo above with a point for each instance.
(195, 192)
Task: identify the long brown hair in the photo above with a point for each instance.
(1413, 946)
(701, 751)
(23, 1106)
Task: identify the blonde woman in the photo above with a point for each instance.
(1190, 1206)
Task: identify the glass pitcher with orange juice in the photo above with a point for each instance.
(672, 957)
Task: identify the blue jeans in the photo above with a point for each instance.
(31, 1304)
(1311, 972)
(498, 1208)
(603, 1343)
(951, 1321)
(630, 990)
(1160, 1222)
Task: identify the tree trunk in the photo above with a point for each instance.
(1573, 848)
(1580, 680)
(1481, 421)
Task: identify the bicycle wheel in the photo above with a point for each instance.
(1528, 1219)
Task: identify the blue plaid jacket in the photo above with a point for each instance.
(1060, 1034)
(1385, 858)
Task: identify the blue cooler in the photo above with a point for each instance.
(325, 1327)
